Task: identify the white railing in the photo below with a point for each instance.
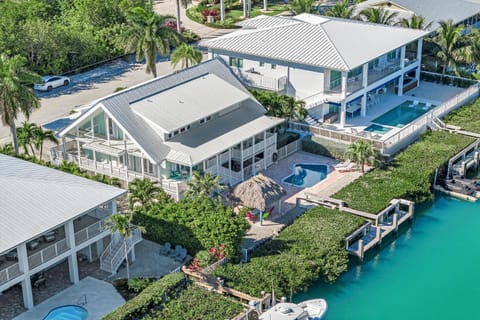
(89, 232)
(113, 256)
(10, 273)
(289, 149)
(224, 157)
(263, 82)
(47, 254)
(271, 139)
(175, 187)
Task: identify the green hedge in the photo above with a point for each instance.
(310, 248)
(467, 117)
(152, 297)
(197, 303)
(196, 224)
(408, 176)
(324, 147)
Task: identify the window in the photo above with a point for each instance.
(392, 55)
(335, 79)
(261, 64)
(273, 66)
(182, 130)
(235, 62)
(175, 132)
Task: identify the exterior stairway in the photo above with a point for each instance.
(114, 254)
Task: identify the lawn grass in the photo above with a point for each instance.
(467, 117)
(408, 176)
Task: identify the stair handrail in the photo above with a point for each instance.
(119, 254)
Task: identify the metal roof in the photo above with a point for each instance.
(35, 199)
(221, 133)
(326, 42)
(188, 102)
(432, 10)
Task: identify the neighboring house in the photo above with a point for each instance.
(49, 216)
(466, 12)
(201, 119)
(329, 63)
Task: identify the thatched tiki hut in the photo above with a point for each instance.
(259, 192)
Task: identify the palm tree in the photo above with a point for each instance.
(71, 168)
(293, 109)
(122, 224)
(301, 6)
(378, 15)
(451, 48)
(142, 192)
(15, 95)
(415, 22)
(148, 36)
(40, 136)
(26, 135)
(203, 184)
(362, 153)
(7, 149)
(341, 9)
(186, 54)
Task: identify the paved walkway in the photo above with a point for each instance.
(100, 296)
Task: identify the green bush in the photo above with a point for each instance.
(310, 248)
(153, 296)
(195, 223)
(467, 117)
(138, 284)
(190, 36)
(324, 147)
(408, 176)
(197, 303)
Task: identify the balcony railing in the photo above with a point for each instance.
(257, 80)
(381, 71)
(47, 254)
(10, 273)
(175, 188)
(89, 232)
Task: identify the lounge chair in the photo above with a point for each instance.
(427, 106)
(165, 249)
(181, 255)
(351, 167)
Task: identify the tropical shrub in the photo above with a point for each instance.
(310, 248)
(467, 117)
(154, 295)
(198, 303)
(196, 223)
(408, 176)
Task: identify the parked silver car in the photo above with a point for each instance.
(52, 82)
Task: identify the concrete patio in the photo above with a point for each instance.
(98, 297)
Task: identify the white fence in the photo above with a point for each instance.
(10, 273)
(289, 149)
(90, 232)
(47, 254)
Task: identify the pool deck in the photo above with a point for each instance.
(334, 181)
(101, 298)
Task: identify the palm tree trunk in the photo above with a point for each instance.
(13, 131)
(179, 28)
(126, 259)
(265, 5)
(33, 150)
(154, 68)
(41, 150)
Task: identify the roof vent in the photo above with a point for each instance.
(180, 101)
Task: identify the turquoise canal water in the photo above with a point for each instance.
(430, 271)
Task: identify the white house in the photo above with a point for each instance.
(466, 12)
(335, 65)
(49, 216)
(201, 118)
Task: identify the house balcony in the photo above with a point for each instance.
(53, 244)
(248, 152)
(254, 79)
(174, 188)
(381, 71)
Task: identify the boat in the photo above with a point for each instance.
(307, 310)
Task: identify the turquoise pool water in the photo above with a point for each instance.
(431, 271)
(402, 114)
(67, 312)
(375, 128)
(307, 175)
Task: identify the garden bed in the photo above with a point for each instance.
(408, 176)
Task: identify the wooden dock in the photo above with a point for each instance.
(376, 227)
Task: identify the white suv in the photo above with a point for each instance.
(52, 82)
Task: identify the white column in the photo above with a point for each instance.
(241, 157)
(142, 164)
(365, 75)
(217, 161)
(64, 150)
(245, 8)
(402, 66)
(72, 258)
(287, 86)
(265, 150)
(254, 167)
(343, 95)
(230, 166)
(26, 284)
(100, 248)
(132, 255)
(78, 144)
(113, 206)
(419, 58)
(364, 105)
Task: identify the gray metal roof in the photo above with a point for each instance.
(263, 21)
(220, 134)
(432, 10)
(140, 130)
(319, 41)
(35, 199)
(188, 102)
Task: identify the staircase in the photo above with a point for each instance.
(436, 124)
(114, 254)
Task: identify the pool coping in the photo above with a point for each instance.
(304, 187)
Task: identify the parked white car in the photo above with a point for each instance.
(52, 82)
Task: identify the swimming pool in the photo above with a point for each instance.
(375, 128)
(67, 312)
(402, 114)
(306, 175)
